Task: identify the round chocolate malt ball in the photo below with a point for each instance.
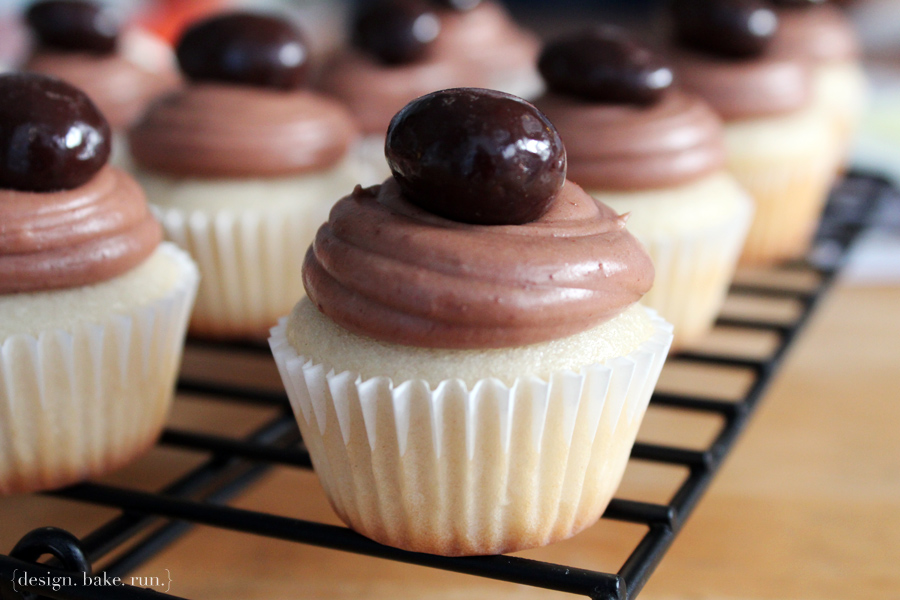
(52, 137)
(246, 49)
(476, 156)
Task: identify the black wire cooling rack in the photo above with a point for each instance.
(149, 522)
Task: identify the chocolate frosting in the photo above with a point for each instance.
(820, 33)
(74, 237)
(745, 88)
(119, 88)
(488, 39)
(384, 268)
(374, 92)
(213, 130)
(627, 147)
(470, 49)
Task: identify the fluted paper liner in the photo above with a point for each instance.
(790, 194)
(459, 471)
(83, 401)
(250, 260)
(693, 273)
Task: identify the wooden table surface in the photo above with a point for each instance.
(806, 508)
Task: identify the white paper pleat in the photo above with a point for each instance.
(790, 196)
(457, 471)
(693, 273)
(82, 402)
(250, 261)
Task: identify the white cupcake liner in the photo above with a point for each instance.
(459, 471)
(790, 194)
(694, 271)
(250, 260)
(789, 201)
(82, 401)
(840, 89)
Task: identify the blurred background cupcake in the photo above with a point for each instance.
(93, 308)
(779, 146)
(390, 61)
(824, 35)
(499, 54)
(656, 154)
(242, 165)
(79, 42)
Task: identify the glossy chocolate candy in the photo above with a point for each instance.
(77, 26)
(734, 28)
(246, 49)
(52, 137)
(395, 31)
(476, 156)
(604, 64)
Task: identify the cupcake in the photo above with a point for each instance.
(242, 165)
(657, 154)
(78, 42)
(93, 308)
(471, 366)
(390, 63)
(499, 54)
(779, 146)
(824, 35)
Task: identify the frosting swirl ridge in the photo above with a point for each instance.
(487, 38)
(214, 130)
(374, 93)
(74, 237)
(820, 33)
(624, 147)
(384, 268)
(741, 89)
(120, 88)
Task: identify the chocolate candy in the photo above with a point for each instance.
(738, 28)
(395, 31)
(605, 65)
(52, 137)
(77, 26)
(458, 5)
(245, 49)
(476, 156)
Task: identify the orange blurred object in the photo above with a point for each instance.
(168, 18)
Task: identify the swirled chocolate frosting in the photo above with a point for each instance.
(216, 130)
(121, 89)
(488, 39)
(77, 237)
(384, 268)
(820, 33)
(633, 147)
(740, 89)
(374, 92)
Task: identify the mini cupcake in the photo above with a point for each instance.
(78, 42)
(499, 54)
(391, 62)
(242, 165)
(778, 145)
(657, 154)
(93, 309)
(470, 367)
(824, 35)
